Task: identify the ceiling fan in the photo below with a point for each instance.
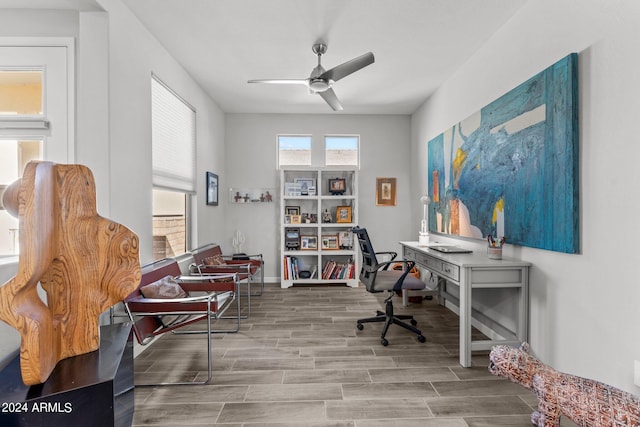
(321, 81)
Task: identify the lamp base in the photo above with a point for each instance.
(423, 239)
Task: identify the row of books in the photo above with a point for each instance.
(333, 270)
(291, 269)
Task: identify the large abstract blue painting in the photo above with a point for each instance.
(512, 168)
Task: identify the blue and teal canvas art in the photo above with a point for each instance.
(511, 169)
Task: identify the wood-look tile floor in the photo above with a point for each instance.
(300, 361)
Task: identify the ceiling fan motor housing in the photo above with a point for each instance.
(319, 48)
(319, 85)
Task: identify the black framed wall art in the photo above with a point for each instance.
(212, 189)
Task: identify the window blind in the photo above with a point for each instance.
(173, 135)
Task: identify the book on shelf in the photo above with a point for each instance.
(334, 270)
(290, 268)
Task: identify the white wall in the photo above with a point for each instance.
(251, 163)
(115, 58)
(584, 308)
(133, 55)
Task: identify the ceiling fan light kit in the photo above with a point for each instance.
(320, 81)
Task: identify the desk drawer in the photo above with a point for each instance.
(450, 271)
(409, 254)
(441, 268)
(435, 265)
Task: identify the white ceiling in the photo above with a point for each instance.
(417, 45)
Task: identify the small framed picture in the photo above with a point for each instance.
(330, 242)
(212, 189)
(337, 186)
(343, 214)
(308, 243)
(292, 189)
(306, 186)
(292, 210)
(345, 239)
(385, 191)
(296, 219)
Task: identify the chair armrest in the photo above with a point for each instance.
(155, 301)
(250, 256)
(205, 278)
(233, 263)
(385, 265)
(209, 283)
(392, 253)
(254, 263)
(408, 264)
(244, 268)
(141, 306)
(210, 287)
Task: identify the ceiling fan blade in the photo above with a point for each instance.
(344, 69)
(330, 97)
(282, 81)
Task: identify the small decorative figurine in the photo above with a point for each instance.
(326, 216)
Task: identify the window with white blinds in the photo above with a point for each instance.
(173, 134)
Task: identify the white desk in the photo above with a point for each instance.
(475, 271)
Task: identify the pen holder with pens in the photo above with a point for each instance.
(494, 253)
(494, 249)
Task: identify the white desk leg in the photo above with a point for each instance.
(465, 319)
(523, 324)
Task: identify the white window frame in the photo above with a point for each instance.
(294, 135)
(60, 146)
(38, 127)
(356, 136)
(179, 182)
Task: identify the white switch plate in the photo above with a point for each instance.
(636, 373)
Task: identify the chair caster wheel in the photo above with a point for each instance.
(360, 326)
(384, 342)
(421, 338)
(414, 322)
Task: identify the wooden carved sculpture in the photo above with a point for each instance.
(586, 402)
(85, 264)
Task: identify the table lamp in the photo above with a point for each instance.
(423, 235)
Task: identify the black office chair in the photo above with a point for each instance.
(378, 278)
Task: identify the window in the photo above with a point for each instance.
(173, 135)
(341, 150)
(21, 93)
(173, 139)
(20, 97)
(294, 150)
(36, 115)
(14, 156)
(169, 223)
(299, 150)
